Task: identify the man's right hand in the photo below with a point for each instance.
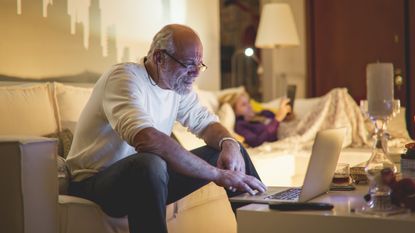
(237, 180)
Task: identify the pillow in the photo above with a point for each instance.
(227, 117)
(65, 138)
(227, 91)
(64, 176)
(27, 110)
(69, 102)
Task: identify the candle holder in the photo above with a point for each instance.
(380, 163)
(395, 109)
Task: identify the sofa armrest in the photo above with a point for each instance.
(29, 185)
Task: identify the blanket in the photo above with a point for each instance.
(334, 110)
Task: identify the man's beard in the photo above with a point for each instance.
(183, 84)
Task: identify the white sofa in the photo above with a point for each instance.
(29, 197)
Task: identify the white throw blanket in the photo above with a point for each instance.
(335, 109)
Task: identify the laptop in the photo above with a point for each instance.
(323, 160)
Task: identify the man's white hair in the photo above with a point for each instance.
(163, 40)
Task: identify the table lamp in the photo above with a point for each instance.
(276, 29)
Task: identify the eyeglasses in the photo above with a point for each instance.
(200, 67)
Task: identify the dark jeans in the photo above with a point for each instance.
(141, 185)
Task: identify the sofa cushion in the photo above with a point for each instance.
(73, 211)
(27, 110)
(227, 117)
(84, 216)
(69, 102)
(204, 195)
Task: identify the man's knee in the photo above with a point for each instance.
(150, 166)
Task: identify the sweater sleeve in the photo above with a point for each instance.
(257, 133)
(124, 104)
(267, 114)
(193, 115)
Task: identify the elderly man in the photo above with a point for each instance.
(122, 156)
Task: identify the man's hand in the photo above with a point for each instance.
(230, 157)
(235, 180)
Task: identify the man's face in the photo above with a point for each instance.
(182, 82)
(182, 78)
(182, 68)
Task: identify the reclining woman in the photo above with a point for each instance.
(335, 109)
(256, 127)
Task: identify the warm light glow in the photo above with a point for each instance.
(249, 52)
(276, 27)
(19, 7)
(116, 18)
(178, 9)
(277, 170)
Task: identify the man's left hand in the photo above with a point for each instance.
(230, 157)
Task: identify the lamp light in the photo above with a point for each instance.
(249, 53)
(276, 29)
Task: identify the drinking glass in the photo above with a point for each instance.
(341, 175)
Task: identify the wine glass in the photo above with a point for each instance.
(395, 107)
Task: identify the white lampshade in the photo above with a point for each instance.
(276, 27)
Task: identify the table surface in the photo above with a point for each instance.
(259, 218)
(289, 170)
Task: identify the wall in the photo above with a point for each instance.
(45, 38)
(238, 27)
(286, 62)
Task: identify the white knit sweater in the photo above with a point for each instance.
(122, 103)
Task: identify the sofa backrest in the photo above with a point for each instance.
(40, 109)
(27, 110)
(69, 102)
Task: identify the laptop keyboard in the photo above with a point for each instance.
(289, 194)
